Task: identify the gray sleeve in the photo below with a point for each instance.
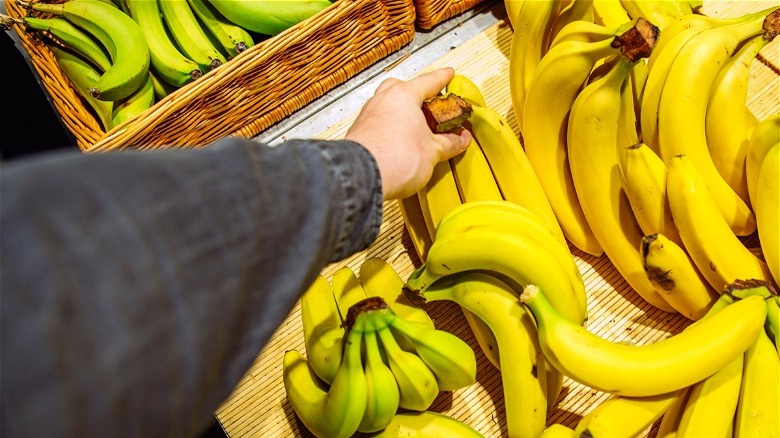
(137, 287)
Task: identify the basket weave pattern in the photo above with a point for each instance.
(433, 12)
(251, 92)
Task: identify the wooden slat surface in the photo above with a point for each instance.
(258, 406)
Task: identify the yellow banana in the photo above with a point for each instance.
(728, 121)
(609, 13)
(512, 9)
(661, 13)
(414, 222)
(560, 76)
(473, 176)
(579, 11)
(450, 359)
(625, 417)
(682, 109)
(513, 218)
(718, 253)
(439, 195)
(322, 331)
(532, 26)
(667, 427)
(381, 388)
(712, 402)
(426, 424)
(379, 279)
(514, 173)
(582, 31)
(765, 135)
(593, 159)
(416, 382)
(497, 250)
(768, 210)
(758, 410)
(335, 411)
(558, 431)
(699, 351)
(675, 276)
(643, 175)
(466, 89)
(496, 303)
(347, 290)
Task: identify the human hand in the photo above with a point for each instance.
(391, 125)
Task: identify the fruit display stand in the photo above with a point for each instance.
(432, 12)
(258, 405)
(253, 91)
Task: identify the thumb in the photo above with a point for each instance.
(454, 142)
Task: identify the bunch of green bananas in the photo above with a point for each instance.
(369, 353)
(652, 160)
(130, 52)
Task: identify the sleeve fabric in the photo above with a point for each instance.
(137, 287)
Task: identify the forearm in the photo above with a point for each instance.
(139, 309)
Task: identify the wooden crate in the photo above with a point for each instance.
(258, 407)
(249, 93)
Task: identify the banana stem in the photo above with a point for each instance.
(772, 25)
(7, 22)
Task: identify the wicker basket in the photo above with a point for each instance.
(251, 92)
(433, 12)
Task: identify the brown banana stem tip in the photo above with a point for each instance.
(772, 25)
(24, 4)
(443, 113)
(6, 22)
(366, 305)
(414, 297)
(637, 42)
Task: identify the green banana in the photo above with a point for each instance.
(234, 39)
(167, 61)
(416, 382)
(72, 37)
(189, 35)
(269, 17)
(135, 104)
(699, 351)
(84, 76)
(382, 389)
(450, 359)
(160, 87)
(337, 411)
(121, 36)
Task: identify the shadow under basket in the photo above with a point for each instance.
(249, 93)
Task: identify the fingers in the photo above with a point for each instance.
(423, 86)
(385, 84)
(430, 84)
(453, 142)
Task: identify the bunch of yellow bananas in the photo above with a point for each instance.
(653, 160)
(121, 55)
(370, 352)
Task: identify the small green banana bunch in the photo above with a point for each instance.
(719, 373)
(101, 50)
(122, 55)
(369, 353)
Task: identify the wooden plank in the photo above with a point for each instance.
(258, 406)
